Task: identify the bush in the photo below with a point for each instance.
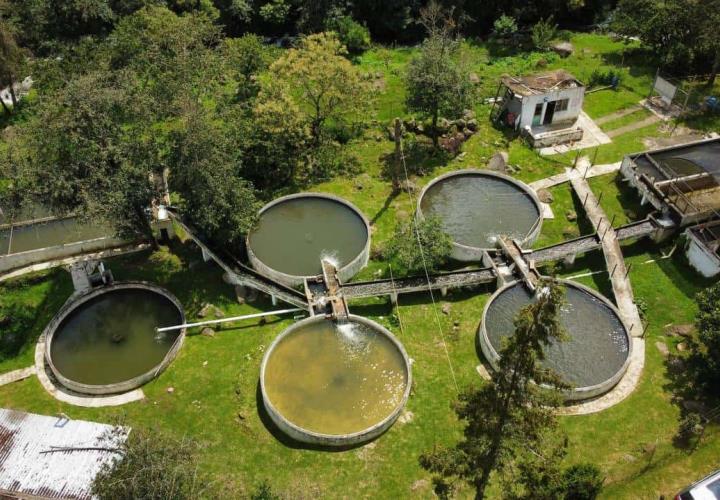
(353, 35)
(16, 320)
(164, 262)
(405, 252)
(691, 427)
(505, 26)
(544, 32)
(603, 78)
(582, 482)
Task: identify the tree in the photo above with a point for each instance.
(513, 414)
(12, 61)
(88, 152)
(353, 35)
(706, 352)
(437, 83)
(431, 251)
(543, 32)
(246, 58)
(205, 171)
(325, 86)
(505, 26)
(150, 465)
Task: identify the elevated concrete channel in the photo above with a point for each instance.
(614, 260)
(243, 275)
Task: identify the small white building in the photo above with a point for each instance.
(703, 249)
(543, 107)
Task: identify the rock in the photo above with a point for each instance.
(498, 162)
(571, 215)
(406, 417)
(468, 133)
(204, 363)
(563, 49)
(207, 332)
(680, 330)
(482, 371)
(456, 323)
(420, 484)
(681, 347)
(170, 390)
(474, 78)
(472, 124)
(468, 114)
(206, 309)
(446, 308)
(443, 125)
(218, 312)
(545, 196)
(460, 123)
(663, 348)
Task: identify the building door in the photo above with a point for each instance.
(549, 113)
(537, 115)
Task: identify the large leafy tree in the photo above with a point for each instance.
(325, 86)
(706, 352)
(513, 414)
(12, 61)
(437, 83)
(88, 152)
(205, 170)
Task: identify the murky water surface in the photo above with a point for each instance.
(294, 235)
(335, 380)
(597, 345)
(112, 337)
(475, 209)
(48, 234)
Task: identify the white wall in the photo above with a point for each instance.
(575, 97)
(700, 257)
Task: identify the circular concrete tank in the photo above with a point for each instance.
(104, 340)
(295, 232)
(594, 357)
(335, 385)
(476, 206)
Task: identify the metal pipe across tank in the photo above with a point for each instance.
(225, 320)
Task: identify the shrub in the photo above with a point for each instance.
(16, 320)
(353, 35)
(505, 26)
(544, 32)
(436, 245)
(164, 262)
(582, 482)
(602, 78)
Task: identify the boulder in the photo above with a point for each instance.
(563, 49)
(545, 196)
(498, 162)
(443, 125)
(206, 309)
(468, 114)
(472, 124)
(663, 348)
(680, 330)
(682, 346)
(571, 215)
(446, 308)
(207, 332)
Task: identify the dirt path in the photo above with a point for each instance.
(650, 120)
(617, 115)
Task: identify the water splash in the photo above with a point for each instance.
(331, 257)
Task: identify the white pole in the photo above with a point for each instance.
(225, 320)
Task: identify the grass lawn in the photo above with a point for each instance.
(218, 402)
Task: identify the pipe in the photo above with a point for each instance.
(225, 320)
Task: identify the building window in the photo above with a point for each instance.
(561, 105)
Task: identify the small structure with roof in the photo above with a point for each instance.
(703, 248)
(543, 107)
(45, 457)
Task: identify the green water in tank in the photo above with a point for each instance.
(293, 236)
(112, 338)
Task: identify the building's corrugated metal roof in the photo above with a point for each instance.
(44, 457)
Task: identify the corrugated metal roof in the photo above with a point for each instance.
(53, 457)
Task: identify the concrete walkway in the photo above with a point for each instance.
(16, 375)
(66, 396)
(624, 299)
(583, 169)
(650, 120)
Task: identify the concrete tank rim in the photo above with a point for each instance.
(296, 279)
(338, 439)
(529, 237)
(77, 300)
(576, 393)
